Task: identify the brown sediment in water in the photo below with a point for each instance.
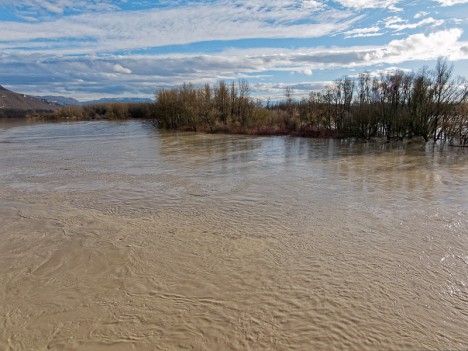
(114, 236)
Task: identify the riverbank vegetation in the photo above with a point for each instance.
(429, 104)
(115, 110)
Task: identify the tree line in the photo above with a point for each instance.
(429, 104)
(112, 110)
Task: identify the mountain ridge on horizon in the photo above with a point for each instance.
(10, 100)
(67, 101)
(14, 101)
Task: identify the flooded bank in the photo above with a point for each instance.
(117, 236)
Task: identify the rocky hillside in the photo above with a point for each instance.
(19, 102)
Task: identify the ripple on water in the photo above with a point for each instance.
(116, 236)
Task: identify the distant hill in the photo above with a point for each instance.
(64, 101)
(11, 101)
(60, 100)
(19, 105)
(126, 100)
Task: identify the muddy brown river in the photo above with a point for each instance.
(115, 236)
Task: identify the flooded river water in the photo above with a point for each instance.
(114, 236)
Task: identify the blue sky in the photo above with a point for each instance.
(91, 49)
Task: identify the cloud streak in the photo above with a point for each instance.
(40, 8)
(371, 4)
(173, 26)
(400, 24)
(446, 3)
(362, 32)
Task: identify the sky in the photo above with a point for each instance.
(91, 49)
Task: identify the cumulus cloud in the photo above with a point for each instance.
(120, 69)
(420, 47)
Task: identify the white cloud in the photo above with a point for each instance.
(421, 14)
(362, 32)
(389, 21)
(446, 3)
(388, 70)
(420, 47)
(370, 4)
(50, 6)
(35, 8)
(120, 69)
(276, 91)
(399, 24)
(312, 4)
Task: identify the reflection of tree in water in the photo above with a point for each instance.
(394, 168)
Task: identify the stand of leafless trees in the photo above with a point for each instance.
(222, 107)
(114, 110)
(429, 104)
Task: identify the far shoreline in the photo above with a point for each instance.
(262, 132)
